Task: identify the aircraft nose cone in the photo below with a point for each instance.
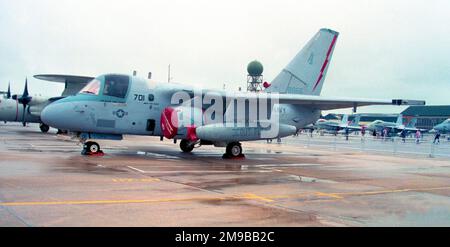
(53, 115)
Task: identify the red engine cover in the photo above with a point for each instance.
(169, 123)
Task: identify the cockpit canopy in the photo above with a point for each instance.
(108, 85)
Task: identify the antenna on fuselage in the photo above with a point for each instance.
(168, 76)
(134, 73)
(149, 75)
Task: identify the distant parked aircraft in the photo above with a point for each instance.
(443, 128)
(26, 108)
(336, 127)
(393, 128)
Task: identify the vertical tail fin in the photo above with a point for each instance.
(344, 119)
(306, 73)
(412, 123)
(399, 119)
(355, 121)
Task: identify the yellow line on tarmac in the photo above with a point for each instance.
(332, 195)
(99, 202)
(389, 191)
(48, 203)
(342, 195)
(247, 196)
(256, 197)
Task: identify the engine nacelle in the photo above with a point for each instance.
(223, 133)
(35, 110)
(181, 122)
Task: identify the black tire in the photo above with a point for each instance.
(185, 147)
(44, 128)
(62, 132)
(92, 147)
(234, 149)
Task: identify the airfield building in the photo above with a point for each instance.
(428, 115)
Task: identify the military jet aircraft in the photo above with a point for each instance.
(335, 127)
(26, 108)
(443, 127)
(393, 128)
(114, 105)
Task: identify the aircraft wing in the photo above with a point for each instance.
(317, 102)
(331, 103)
(409, 129)
(326, 103)
(354, 128)
(73, 84)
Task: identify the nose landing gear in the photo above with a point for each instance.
(92, 149)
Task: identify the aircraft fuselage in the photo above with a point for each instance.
(140, 112)
(12, 111)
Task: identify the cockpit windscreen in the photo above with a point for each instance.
(92, 87)
(116, 85)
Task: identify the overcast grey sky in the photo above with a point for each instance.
(386, 49)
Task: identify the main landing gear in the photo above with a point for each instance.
(44, 128)
(92, 148)
(186, 146)
(233, 151)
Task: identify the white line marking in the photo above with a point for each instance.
(195, 171)
(138, 170)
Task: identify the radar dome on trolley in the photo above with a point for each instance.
(255, 68)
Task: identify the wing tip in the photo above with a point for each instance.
(408, 102)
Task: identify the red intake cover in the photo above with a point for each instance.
(169, 123)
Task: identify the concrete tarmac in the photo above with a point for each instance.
(44, 181)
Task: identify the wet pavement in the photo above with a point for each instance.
(44, 181)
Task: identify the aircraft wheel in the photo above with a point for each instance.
(185, 147)
(24, 124)
(234, 149)
(91, 148)
(44, 128)
(62, 132)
